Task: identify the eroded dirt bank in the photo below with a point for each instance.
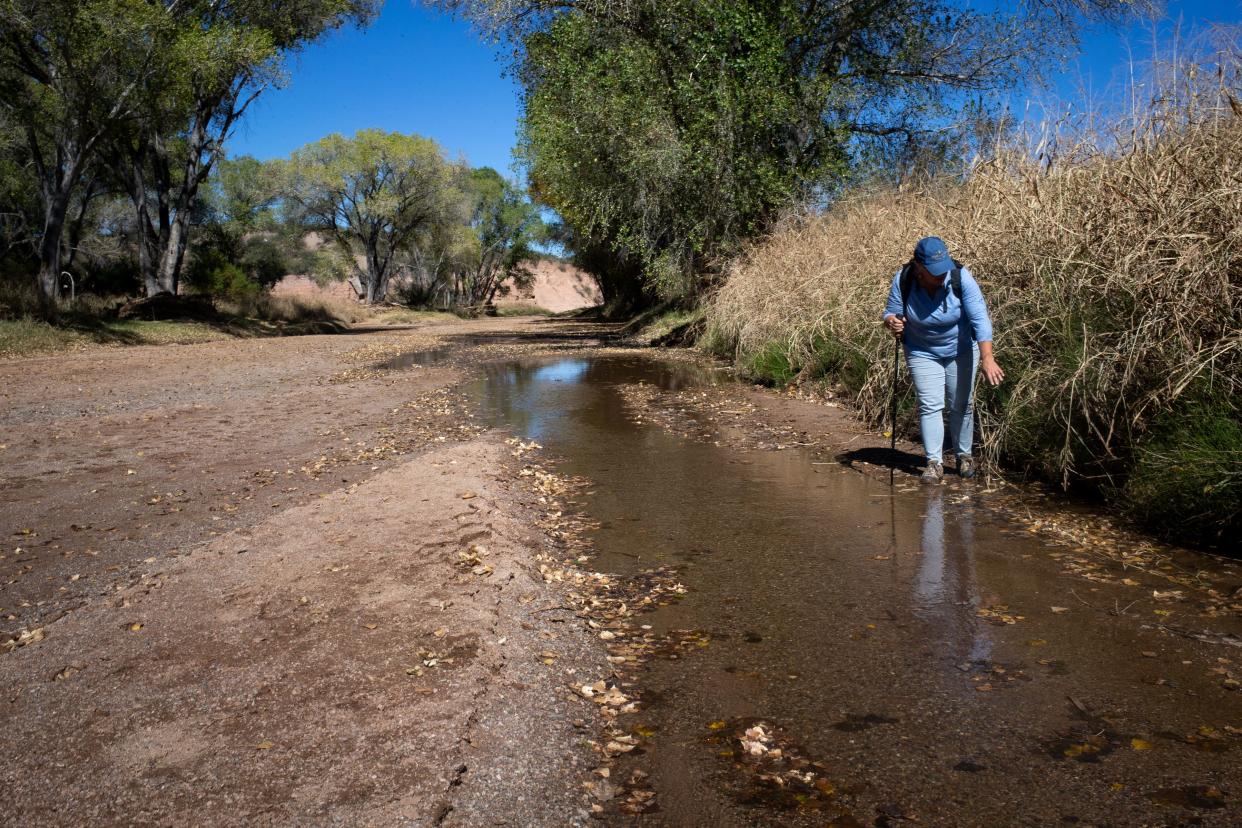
(335, 580)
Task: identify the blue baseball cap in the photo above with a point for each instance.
(933, 254)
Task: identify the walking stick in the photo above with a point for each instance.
(892, 468)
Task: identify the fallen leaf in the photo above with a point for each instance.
(1059, 609)
(1140, 744)
(265, 745)
(468, 495)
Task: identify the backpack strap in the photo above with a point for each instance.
(956, 278)
(907, 284)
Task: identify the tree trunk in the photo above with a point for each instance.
(49, 248)
(148, 249)
(174, 251)
(148, 244)
(201, 151)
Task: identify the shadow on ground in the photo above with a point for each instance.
(902, 461)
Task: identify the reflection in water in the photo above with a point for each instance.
(945, 581)
(523, 395)
(565, 370)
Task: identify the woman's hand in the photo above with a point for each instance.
(991, 370)
(895, 324)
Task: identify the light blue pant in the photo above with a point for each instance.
(935, 381)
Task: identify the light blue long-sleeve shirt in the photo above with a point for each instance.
(935, 324)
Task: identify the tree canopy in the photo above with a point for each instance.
(139, 96)
(371, 194)
(667, 132)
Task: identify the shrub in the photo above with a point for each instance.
(1187, 475)
(211, 273)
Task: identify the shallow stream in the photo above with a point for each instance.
(921, 659)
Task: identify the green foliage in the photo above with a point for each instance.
(505, 226)
(211, 273)
(242, 193)
(1186, 478)
(241, 225)
(665, 136)
(770, 364)
(669, 133)
(832, 357)
(372, 195)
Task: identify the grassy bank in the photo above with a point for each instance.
(1114, 278)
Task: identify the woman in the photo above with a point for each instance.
(943, 321)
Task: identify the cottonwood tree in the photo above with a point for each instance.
(221, 57)
(669, 132)
(371, 195)
(71, 71)
(505, 226)
(159, 83)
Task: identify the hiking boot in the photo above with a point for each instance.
(965, 466)
(934, 473)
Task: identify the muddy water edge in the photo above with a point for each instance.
(848, 653)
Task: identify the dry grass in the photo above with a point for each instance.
(295, 309)
(1113, 274)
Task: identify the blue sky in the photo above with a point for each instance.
(412, 70)
(416, 70)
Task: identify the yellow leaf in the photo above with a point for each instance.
(1140, 744)
(1037, 642)
(265, 745)
(721, 725)
(135, 627)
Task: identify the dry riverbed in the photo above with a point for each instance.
(265, 582)
(302, 581)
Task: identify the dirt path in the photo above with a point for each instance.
(274, 582)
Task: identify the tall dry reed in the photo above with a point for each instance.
(1113, 273)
